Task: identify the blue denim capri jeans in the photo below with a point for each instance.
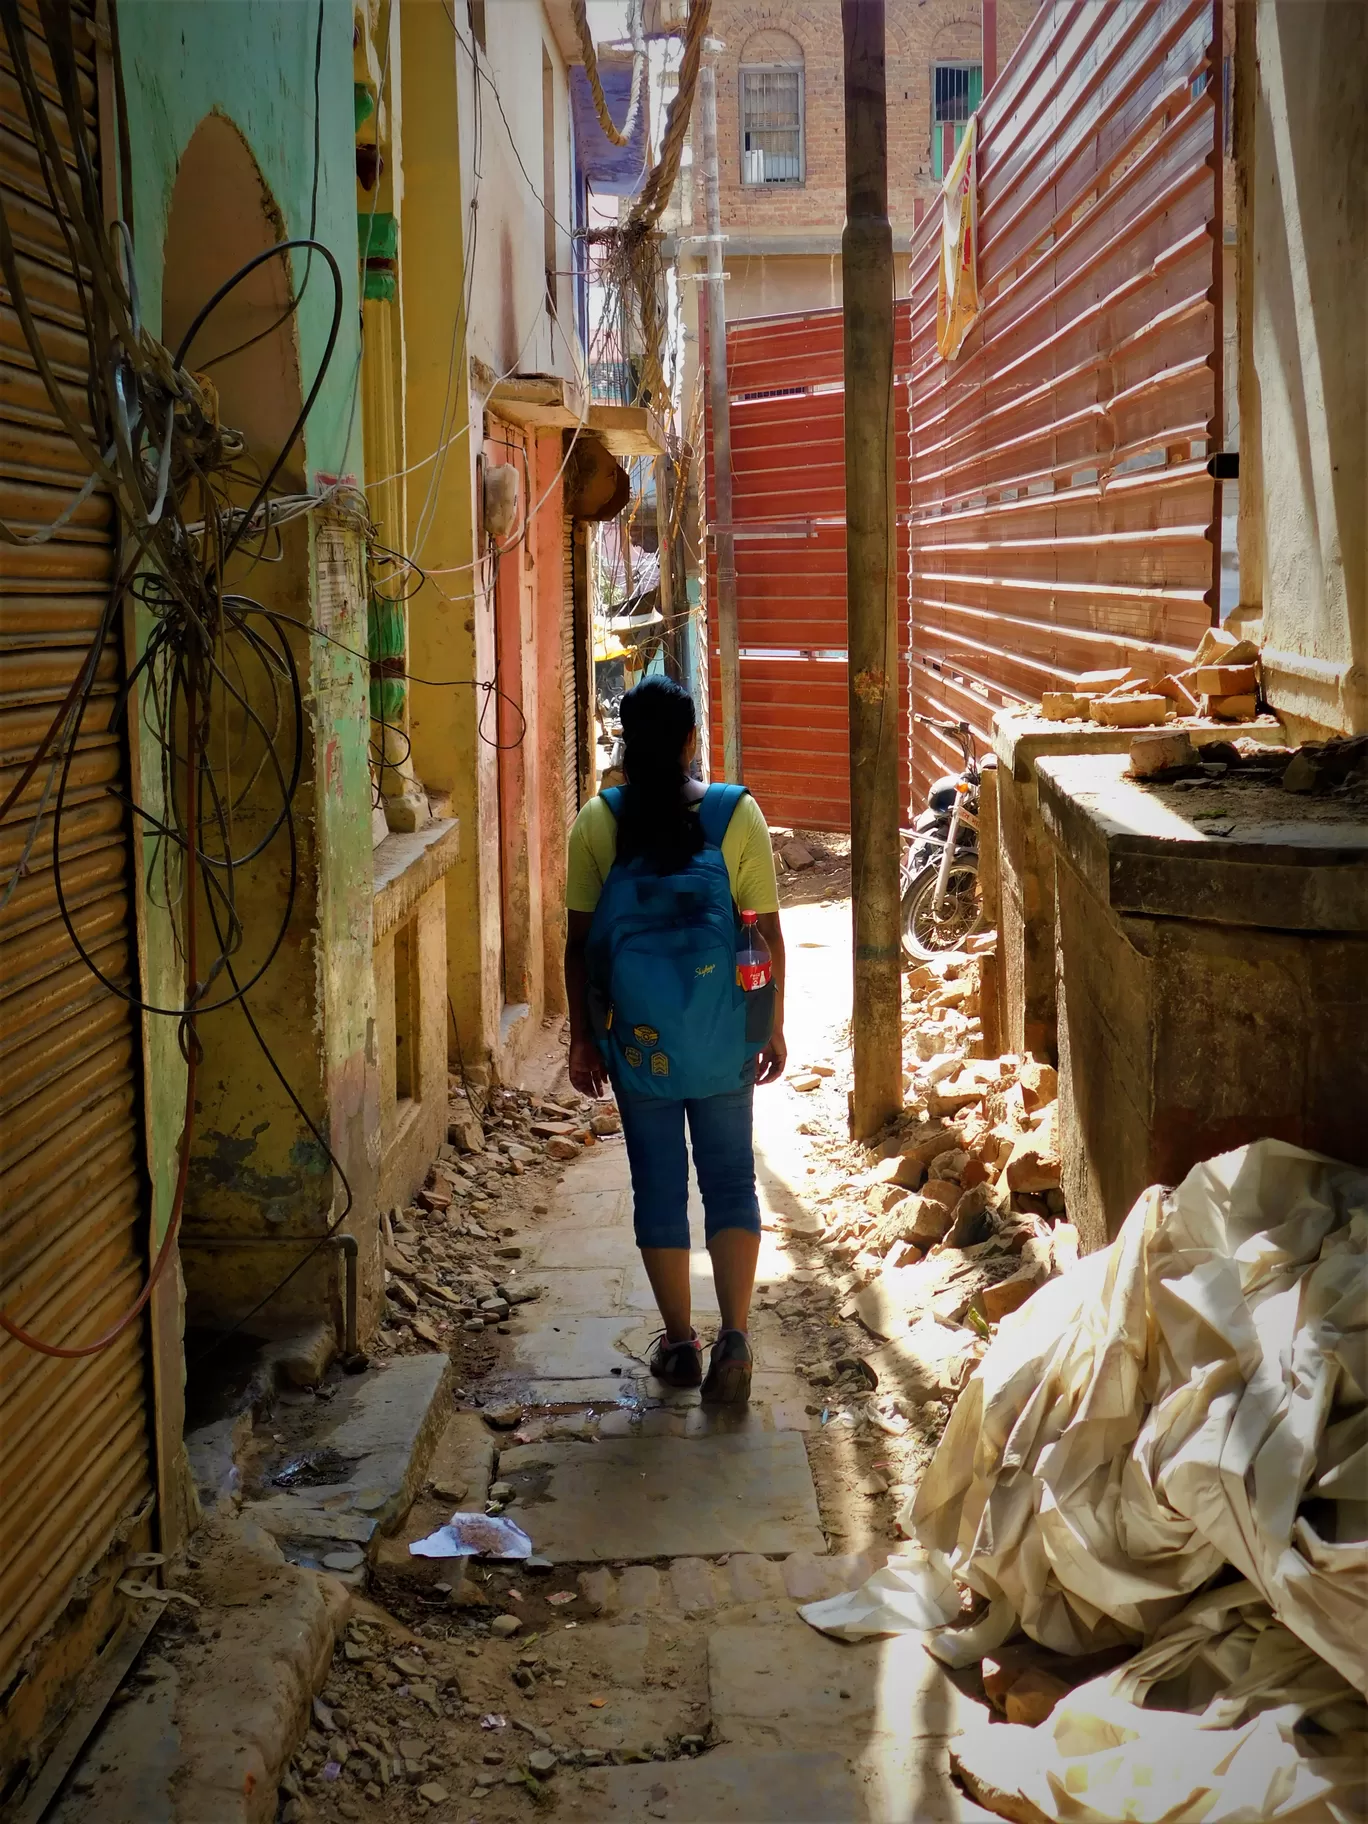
(720, 1129)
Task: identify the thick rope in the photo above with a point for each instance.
(656, 192)
(620, 136)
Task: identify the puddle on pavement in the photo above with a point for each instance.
(315, 1469)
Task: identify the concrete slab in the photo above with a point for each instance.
(463, 1456)
(606, 1208)
(1280, 860)
(795, 1680)
(568, 1247)
(577, 1348)
(723, 1788)
(599, 1392)
(581, 1289)
(639, 1498)
(389, 1426)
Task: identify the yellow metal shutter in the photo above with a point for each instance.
(75, 1468)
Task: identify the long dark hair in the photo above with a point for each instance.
(657, 720)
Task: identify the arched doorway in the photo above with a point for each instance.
(258, 1176)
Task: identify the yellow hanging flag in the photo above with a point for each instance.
(957, 297)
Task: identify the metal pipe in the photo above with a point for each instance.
(719, 406)
(876, 734)
(346, 1245)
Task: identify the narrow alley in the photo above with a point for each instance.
(648, 1659)
(683, 911)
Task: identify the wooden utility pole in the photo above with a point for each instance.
(719, 407)
(872, 640)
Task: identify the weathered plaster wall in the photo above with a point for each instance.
(252, 62)
(450, 628)
(1309, 191)
(511, 329)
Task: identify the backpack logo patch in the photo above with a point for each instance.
(647, 1034)
(705, 968)
(632, 1055)
(660, 1064)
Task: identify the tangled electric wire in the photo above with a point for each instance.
(217, 685)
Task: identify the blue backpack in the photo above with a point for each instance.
(669, 1015)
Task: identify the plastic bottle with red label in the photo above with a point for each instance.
(753, 966)
(755, 977)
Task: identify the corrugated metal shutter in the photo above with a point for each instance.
(1062, 516)
(786, 383)
(77, 1455)
(572, 674)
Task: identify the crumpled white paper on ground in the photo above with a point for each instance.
(474, 1536)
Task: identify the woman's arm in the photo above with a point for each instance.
(775, 1055)
(587, 1071)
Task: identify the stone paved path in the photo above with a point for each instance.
(692, 1537)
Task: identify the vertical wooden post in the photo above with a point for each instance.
(719, 406)
(867, 278)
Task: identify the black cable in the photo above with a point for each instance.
(206, 310)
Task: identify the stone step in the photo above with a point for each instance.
(385, 1424)
(639, 1499)
(696, 1586)
(458, 1478)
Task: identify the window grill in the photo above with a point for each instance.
(956, 91)
(771, 126)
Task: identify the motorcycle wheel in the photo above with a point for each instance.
(924, 934)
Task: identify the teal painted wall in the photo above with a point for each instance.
(252, 61)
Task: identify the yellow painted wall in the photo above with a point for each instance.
(450, 631)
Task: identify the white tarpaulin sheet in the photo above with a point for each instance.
(1249, 1724)
(1193, 1396)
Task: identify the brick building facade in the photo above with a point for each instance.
(781, 133)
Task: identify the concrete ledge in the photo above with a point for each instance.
(408, 863)
(1021, 738)
(1283, 862)
(1026, 910)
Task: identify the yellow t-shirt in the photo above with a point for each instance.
(745, 849)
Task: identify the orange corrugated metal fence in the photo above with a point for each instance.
(1062, 516)
(784, 381)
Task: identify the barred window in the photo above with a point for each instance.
(956, 91)
(771, 126)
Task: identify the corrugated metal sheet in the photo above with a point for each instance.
(1062, 516)
(72, 1193)
(785, 384)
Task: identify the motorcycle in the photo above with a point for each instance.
(942, 904)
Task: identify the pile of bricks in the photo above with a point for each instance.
(1222, 682)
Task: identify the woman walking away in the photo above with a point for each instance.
(667, 884)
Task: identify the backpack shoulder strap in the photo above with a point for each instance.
(715, 810)
(612, 797)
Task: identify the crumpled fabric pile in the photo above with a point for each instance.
(1193, 1396)
(1183, 1409)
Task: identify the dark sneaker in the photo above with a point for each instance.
(678, 1364)
(729, 1371)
